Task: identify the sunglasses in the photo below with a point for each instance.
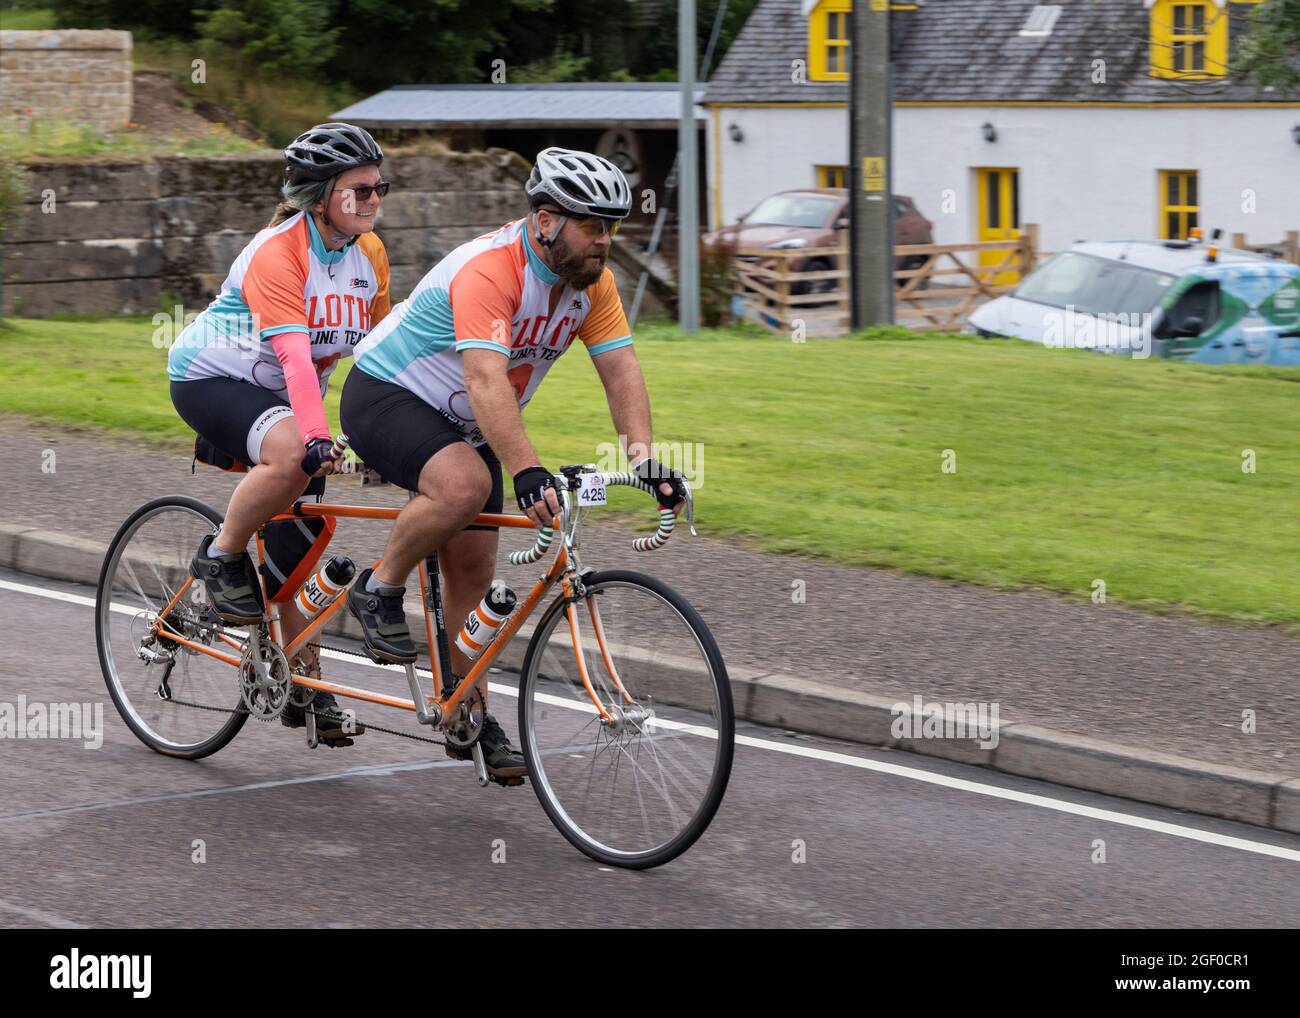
(362, 192)
(594, 226)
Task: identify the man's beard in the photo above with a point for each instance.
(574, 268)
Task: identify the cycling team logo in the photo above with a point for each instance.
(458, 406)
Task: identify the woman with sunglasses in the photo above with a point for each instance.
(250, 374)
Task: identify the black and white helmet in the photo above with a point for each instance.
(327, 150)
(579, 182)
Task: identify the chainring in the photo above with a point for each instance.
(466, 728)
(265, 698)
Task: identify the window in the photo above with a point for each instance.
(830, 27)
(1193, 314)
(1040, 22)
(1189, 39)
(808, 210)
(832, 176)
(1179, 206)
(1095, 286)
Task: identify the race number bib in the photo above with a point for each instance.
(591, 489)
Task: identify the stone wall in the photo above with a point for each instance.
(81, 75)
(120, 238)
(114, 238)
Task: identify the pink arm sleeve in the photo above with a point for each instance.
(294, 352)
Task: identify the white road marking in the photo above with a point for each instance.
(809, 752)
(1028, 798)
(55, 595)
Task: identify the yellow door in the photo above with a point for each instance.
(999, 217)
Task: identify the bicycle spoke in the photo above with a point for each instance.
(139, 589)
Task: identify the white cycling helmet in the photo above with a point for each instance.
(580, 183)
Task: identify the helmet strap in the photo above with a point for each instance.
(325, 212)
(544, 240)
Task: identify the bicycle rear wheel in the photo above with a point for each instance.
(635, 782)
(177, 699)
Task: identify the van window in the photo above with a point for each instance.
(1095, 285)
(1201, 300)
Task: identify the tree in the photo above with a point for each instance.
(150, 17)
(427, 42)
(1270, 52)
(286, 37)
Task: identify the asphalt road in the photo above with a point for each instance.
(391, 833)
(1166, 684)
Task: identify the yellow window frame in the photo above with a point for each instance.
(1172, 45)
(1185, 211)
(832, 176)
(821, 43)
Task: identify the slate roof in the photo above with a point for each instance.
(971, 51)
(433, 107)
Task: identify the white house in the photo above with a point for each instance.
(1097, 119)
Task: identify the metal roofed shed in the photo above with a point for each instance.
(644, 105)
(632, 124)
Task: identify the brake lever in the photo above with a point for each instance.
(690, 508)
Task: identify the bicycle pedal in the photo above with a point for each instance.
(377, 659)
(506, 782)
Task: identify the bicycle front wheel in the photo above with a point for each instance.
(177, 698)
(626, 720)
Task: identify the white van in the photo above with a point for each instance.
(1163, 298)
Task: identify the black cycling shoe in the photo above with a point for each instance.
(383, 620)
(334, 726)
(504, 762)
(232, 584)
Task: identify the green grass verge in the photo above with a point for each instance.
(31, 19)
(57, 137)
(1070, 467)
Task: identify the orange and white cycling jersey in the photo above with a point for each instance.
(493, 293)
(285, 280)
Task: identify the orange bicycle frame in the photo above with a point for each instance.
(505, 634)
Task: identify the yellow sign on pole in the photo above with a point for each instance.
(880, 5)
(873, 173)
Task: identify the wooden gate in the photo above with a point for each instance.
(947, 283)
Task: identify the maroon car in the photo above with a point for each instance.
(812, 217)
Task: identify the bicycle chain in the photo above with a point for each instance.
(221, 631)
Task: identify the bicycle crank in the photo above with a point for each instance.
(264, 678)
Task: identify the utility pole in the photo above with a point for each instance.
(688, 187)
(871, 228)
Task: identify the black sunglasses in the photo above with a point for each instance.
(362, 192)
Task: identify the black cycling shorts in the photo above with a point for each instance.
(396, 433)
(234, 416)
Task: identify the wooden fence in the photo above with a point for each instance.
(1287, 248)
(946, 283)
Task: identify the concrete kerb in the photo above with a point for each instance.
(806, 705)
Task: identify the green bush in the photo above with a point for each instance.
(717, 275)
(15, 186)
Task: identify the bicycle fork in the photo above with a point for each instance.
(616, 717)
